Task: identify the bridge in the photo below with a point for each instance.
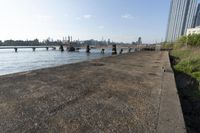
(27, 47)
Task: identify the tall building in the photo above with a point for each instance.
(197, 20)
(139, 42)
(181, 17)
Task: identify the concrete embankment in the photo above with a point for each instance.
(171, 117)
(126, 93)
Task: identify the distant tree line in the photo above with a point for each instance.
(29, 43)
(50, 42)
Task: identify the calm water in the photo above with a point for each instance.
(24, 60)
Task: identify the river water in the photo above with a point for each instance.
(25, 59)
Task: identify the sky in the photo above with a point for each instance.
(119, 20)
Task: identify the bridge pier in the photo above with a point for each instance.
(114, 49)
(102, 51)
(121, 51)
(15, 50)
(61, 48)
(129, 50)
(33, 49)
(88, 49)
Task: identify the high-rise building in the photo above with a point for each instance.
(139, 42)
(197, 20)
(181, 17)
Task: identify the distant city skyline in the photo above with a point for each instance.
(84, 19)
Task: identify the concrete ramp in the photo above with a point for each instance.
(129, 93)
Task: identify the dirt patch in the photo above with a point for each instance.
(97, 64)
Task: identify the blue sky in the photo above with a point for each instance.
(119, 20)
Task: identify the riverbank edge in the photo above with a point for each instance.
(170, 114)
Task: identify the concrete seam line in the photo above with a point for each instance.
(161, 88)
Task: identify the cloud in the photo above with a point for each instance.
(127, 16)
(44, 17)
(78, 18)
(66, 15)
(86, 16)
(41, 19)
(101, 27)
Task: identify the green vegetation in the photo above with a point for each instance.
(190, 41)
(29, 42)
(188, 61)
(185, 58)
(166, 45)
(186, 52)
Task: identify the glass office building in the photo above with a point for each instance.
(197, 20)
(181, 17)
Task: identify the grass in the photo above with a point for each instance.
(188, 62)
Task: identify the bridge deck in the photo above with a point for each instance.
(24, 47)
